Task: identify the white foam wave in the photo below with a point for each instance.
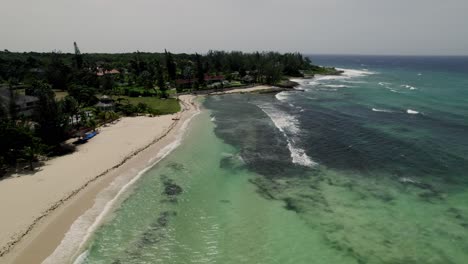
(82, 257)
(345, 76)
(408, 87)
(335, 85)
(283, 96)
(412, 112)
(328, 90)
(351, 73)
(80, 232)
(288, 124)
(300, 81)
(354, 82)
(381, 110)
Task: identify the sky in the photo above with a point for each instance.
(385, 27)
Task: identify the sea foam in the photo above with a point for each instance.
(347, 74)
(412, 112)
(288, 125)
(408, 87)
(381, 110)
(283, 96)
(335, 85)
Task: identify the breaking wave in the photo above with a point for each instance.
(408, 87)
(412, 112)
(335, 85)
(287, 124)
(282, 96)
(382, 110)
(344, 77)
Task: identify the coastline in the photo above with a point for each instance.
(35, 228)
(254, 89)
(43, 206)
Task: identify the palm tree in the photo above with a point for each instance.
(31, 152)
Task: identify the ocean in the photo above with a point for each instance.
(367, 167)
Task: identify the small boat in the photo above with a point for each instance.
(86, 137)
(176, 118)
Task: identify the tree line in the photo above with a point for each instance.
(85, 77)
(63, 70)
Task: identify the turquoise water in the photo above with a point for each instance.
(370, 167)
(219, 217)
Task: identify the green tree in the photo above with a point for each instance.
(170, 66)
(160, 80)
(85, 96)
(78, 57)
(108, 83)
(30, 152)
(17, 142)
(200, 71)
(58, 74)
(70, 106)
(51, 121)
(272, 72)
(146, 80)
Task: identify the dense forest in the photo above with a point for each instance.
(47, 98)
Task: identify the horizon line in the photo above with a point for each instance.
(281, 52)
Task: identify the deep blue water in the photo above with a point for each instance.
(450, 64)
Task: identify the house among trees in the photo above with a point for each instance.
(105, 103)
(102, 72)
(248, 79)
(24, 105)
(208, 79)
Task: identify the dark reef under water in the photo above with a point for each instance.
(373, 171)
(368, 167)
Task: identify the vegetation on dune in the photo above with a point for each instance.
(152, 105)
(313, 70)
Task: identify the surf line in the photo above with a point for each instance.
(298, 155)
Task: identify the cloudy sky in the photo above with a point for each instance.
(416, 27)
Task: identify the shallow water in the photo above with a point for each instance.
(343, 172)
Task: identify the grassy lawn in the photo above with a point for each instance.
(164, 106)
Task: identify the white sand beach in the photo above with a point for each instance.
(38, 209)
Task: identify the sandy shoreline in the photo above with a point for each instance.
(64, 195)
(258, 88)
(40, 208)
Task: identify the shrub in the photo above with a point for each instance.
(134, 93)
(127, 109)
